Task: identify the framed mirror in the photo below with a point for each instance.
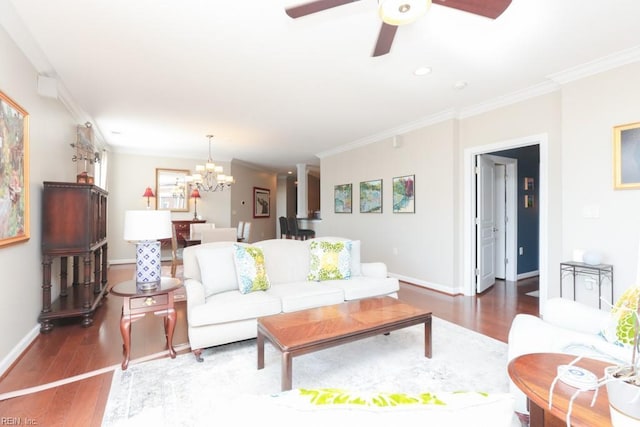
(172, 190)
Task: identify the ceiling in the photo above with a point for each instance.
(156, 76)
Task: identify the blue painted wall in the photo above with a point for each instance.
(528, 218)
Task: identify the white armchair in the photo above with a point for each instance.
(568, 327)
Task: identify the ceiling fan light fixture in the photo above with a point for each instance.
(402, 12)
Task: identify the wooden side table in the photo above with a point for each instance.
(534, 373)
(137, 303)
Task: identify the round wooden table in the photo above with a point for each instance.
(137, 303)
(534, 373)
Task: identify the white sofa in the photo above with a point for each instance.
(568, 327)
(218, 313)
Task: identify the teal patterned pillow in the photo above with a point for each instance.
(250, 269)
(329, 260)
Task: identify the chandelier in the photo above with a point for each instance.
(210, 177)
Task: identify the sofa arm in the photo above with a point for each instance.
(575, 316)
(195, 293)
(374, 269)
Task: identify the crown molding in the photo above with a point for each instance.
(615, 60)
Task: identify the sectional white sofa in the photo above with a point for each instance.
(219, 313)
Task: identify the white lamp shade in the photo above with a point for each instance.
(144, 225)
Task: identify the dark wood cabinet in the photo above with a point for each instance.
(183, 231)
(74, 230)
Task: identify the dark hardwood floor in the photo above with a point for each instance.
(71, 350)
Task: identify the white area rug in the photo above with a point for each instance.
(181, 391)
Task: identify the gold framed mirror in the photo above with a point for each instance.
(172, 191)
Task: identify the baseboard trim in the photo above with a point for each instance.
(528, 274)
(16, 351)
(433, 286)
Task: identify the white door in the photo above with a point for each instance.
(486, 224)
(500, 171)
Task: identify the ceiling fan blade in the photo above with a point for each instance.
(489, 8)
(315, 6)
(385, 39)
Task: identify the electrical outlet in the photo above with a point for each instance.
(521, 250)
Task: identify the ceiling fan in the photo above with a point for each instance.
(401, 12)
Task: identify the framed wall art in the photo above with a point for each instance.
(371, 196)
(14, 167)
(342, 198)
(626, 158)
(403, 188)
(261, 202)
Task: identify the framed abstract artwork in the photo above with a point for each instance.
(626, 161)
(342, 198)
(404, 194)
(14, 167)
(371, 196)
(261, 202)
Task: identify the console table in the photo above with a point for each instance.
(137, 303)
(74, 225)
(599, 272)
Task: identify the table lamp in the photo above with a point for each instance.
(195, 195)
(148, 193)
(145, 227)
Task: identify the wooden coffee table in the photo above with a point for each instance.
(315, 329)
(534, 373)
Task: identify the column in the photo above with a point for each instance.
(303, 199)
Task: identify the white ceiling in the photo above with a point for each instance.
(156, 76)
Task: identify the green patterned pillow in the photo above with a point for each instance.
(329, 260)
(335, 396)
(250, 269)
(622, 326)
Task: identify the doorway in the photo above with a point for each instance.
(496, 229)
(470, 248)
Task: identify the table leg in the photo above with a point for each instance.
(427, 338)
(287, 376)
(170, 325)
(125, 330)
(260, 342)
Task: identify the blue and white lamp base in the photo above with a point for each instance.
(148, 265)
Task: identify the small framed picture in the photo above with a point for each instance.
(342, 198)
(404, 194)
(626, 165)
(261, 202)
(371, 196)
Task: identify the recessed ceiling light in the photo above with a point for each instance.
(460, 85)
(290, 173)
(422, 71)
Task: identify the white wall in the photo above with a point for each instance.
(591, 108)
(51, 131)
(129, 175)
(577, 122)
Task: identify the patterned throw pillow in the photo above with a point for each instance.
(335, 396)
(249, 262)
(329, 260)
(622, 325)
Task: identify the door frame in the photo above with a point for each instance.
(469, 198)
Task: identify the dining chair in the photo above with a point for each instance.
(246, 232)
(176, 252)
(196, 229)
(240, 230)
(299, 233)
(219, 235)
(284, 228)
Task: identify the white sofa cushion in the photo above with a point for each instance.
(303, 295)
(364, 287)
(232, 306)
(217, 269)
(286, 260)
